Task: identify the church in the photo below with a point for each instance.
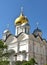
(23, 45)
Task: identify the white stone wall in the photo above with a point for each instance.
(39, 51)
(33, 47)
(23, 46)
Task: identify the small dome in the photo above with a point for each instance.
(21, 19)
(6, 31)
(37, 32)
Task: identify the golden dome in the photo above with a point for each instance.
(21, 19)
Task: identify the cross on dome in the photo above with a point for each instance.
(7, 26)
(37, 24)
(21, 10)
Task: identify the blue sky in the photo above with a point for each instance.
(35, 10)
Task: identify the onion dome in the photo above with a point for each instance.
(21, 19)
(37, 32)
(6, 31)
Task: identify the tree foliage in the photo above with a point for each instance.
(18, 63)
(4, 62)
(2, 47)
(30, 62)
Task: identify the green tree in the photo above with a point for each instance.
(4, 62)
(30, 62)
(26, 63)
(18, 63)
(2, 47)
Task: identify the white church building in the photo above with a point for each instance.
(23, 45)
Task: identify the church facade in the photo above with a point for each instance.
(23, 45)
